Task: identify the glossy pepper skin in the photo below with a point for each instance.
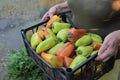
(55, 18)
(67, 61)
(96, 37)
(46, 44)
(56, 61)
(46, 56)
(41, 33)
(75, 34)
(84, 50)
(65, 50)
(48, 33)
(35, 40)
(94, 52)
(62, 34)
(96, 45)
(54, 49)
(77, 60)
(83, 41)
(57, 26)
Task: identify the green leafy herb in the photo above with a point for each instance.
(21, 67)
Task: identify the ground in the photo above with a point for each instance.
(16, 15)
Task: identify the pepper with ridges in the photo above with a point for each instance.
(62, 34)
(65, 50)
(57, 26)
(54, 49)
(46, 44)
(84, 50)
(83, 41)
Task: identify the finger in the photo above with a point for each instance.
(45, 17)
(51, 13)
(103, 48)
(104, 55)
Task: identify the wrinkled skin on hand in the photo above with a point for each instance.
(55, 10)
(109, 47)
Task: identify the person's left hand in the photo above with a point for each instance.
(109, 47)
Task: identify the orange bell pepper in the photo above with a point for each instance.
(96, 45)
(74, 34)
(48, 32)
(65, 50)
(55, 18)
(67, 61)
(40, 33)
(55, 61)
(46, 56)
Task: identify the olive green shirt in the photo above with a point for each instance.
(93, 15)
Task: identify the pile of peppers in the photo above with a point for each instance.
(62, 45)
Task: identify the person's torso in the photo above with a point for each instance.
(89, 13)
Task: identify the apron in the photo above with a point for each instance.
(96, 16)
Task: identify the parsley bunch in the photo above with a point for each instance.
(21, 67)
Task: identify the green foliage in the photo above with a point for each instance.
(21, 67)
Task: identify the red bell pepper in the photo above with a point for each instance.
(66, 50)
(67, 61)
(74, 34)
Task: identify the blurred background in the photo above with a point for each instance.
(18, 14)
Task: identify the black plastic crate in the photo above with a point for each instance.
(90, 69)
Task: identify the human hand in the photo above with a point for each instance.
(55, 10)
(52, 11)
(109, 47)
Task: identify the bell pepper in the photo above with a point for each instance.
(55, 18)
(67, 61)
(65, 50)
(46, 56)
(77, 60)
(57, 26)
(54, 49)
(96, 45)
(56, 61)
(46, 44)
(95, 37)
(83, 41)
(40, 33)
(48, 33)
(75, 34)
(84, 50)
(62, 34)
(29, 35)
(35, 40)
